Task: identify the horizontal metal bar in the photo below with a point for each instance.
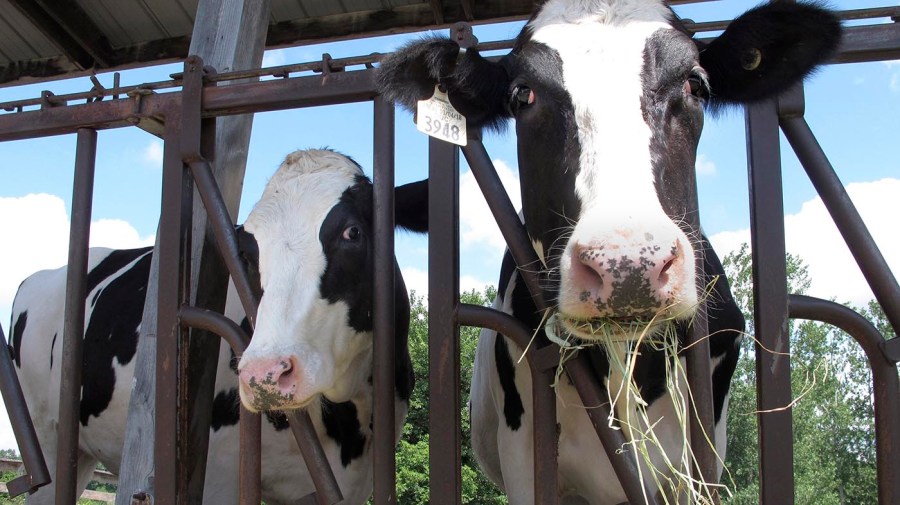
(208, 320)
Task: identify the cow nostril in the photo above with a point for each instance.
(663, 277)
(287, 371)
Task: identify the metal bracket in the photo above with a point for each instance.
(891, 350)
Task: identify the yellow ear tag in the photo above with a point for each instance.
(437, 118)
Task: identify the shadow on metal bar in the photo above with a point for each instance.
(36, 473)
(885, 380)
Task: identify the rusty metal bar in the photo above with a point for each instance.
(773, 367)
(174, 265)
(507, 219)
(624, 463)
(546, 477)
(327, 490)
(443, 330)
(860, 242)
(223, 230)
(885, 380)
(73, 328)
(250, 423)
(36, 473)
(384, 375)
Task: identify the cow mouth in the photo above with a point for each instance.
(562, 328)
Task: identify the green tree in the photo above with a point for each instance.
(412, 453)
(833, 423)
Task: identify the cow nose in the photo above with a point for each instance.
(622, 280)
(268, 383)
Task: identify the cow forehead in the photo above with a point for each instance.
(300, 194)
(602, 49)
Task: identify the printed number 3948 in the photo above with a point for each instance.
(445, 129)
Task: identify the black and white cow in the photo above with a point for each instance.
(313, 229)
(607, 98)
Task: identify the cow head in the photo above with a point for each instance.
(313, 229)
(608, 99)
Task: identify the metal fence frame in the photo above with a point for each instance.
(180, 117)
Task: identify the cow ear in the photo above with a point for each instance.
(476, 86)
(411, 206)
(249, 252)
(768, 49)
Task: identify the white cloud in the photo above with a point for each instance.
(152, 154)
(38, 228)
(705, 166)
(273, 58)
(813, 236)
(894, 69)
(478, 229)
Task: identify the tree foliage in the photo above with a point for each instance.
(833, 416)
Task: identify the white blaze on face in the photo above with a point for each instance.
(296, 328)
(602, 54)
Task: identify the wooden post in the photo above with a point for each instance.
(228, 35)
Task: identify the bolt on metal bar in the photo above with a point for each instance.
(443, 330)
(885, 381)
(249, 487)
(773, 369)
(856, 235)
(73, 329)
(384, 375)
(545, 478)
(36, 473)
(327, 490)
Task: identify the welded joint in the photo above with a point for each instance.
(546, 358)
(891, 350)
(141, 498)
(792, 103)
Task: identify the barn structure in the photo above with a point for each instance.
(206, 114)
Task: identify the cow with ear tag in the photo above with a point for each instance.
(308, 244)
(608, 99)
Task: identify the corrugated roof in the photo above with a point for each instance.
(41, 39)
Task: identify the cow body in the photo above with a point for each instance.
(608, 98)
(117, 282)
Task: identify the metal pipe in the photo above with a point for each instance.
(885, 380)
(327, 490)
(773, 367)
(223, 229)
(860, 242)
(507, 219)
(546, 478)
(384, 375)
(443, 330)
(250, 423)
(622, 458)
(36, 473)
(73, 326)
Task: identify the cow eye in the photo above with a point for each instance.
(521, 97)
(351, 233)
(697, 85)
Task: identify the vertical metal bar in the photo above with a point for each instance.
(73, 327)
(546, 439)
(384, 324)
(174, 247)
(37, 474)
(699, 377)
(773, 367)
(860, 242)
(443, 331)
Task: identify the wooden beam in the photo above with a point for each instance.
(70, 29)
(228, 35)
(468, 7)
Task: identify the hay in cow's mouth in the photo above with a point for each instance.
(621, 339)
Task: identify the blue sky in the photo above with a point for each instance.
(854, 109)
